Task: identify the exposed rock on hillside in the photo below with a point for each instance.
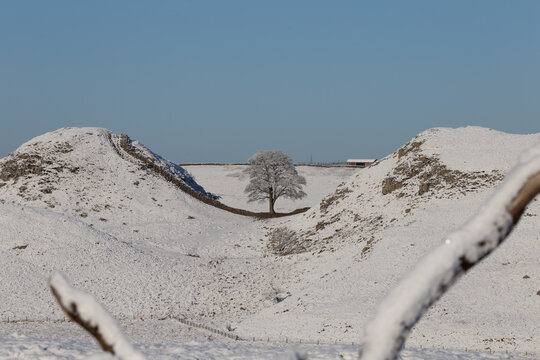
(415, 169)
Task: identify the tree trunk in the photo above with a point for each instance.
(271, 201)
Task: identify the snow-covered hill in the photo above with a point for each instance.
(75, 200)
(355, 246)
(84, 172)
(437, 166)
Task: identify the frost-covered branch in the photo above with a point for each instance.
(405, 305)
(84, 309)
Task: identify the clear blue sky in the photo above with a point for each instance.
(216, 81)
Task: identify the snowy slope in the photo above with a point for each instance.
(437, 165)
(79, 204)
(147, 250)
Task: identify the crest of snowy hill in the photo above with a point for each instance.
(166, 168)
(71, 154)
(101, 178)
(437, 165)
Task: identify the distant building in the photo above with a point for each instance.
(360, 162)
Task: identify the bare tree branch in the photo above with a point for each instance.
(73, 314)
(524, 197)
(84, 309)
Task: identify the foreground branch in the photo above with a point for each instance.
(524, 197)
(83, 309)
(405, 305)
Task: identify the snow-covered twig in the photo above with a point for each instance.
(84, 309)
(405, 305)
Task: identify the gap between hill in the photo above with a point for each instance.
(125, 144)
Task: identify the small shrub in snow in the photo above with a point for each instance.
(284, 241)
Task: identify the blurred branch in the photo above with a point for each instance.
(73, 314)
(84, 309)
(524, 197)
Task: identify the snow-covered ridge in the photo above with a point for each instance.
(440, 163)
(157, 163)
(61, 155)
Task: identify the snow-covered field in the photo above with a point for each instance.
(77, 202)
(229, 182)
(34, 348)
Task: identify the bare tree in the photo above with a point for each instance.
(272, 175)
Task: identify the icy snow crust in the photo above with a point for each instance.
(147, 251)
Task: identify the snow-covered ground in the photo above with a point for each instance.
(78, 203)
(32, 348)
